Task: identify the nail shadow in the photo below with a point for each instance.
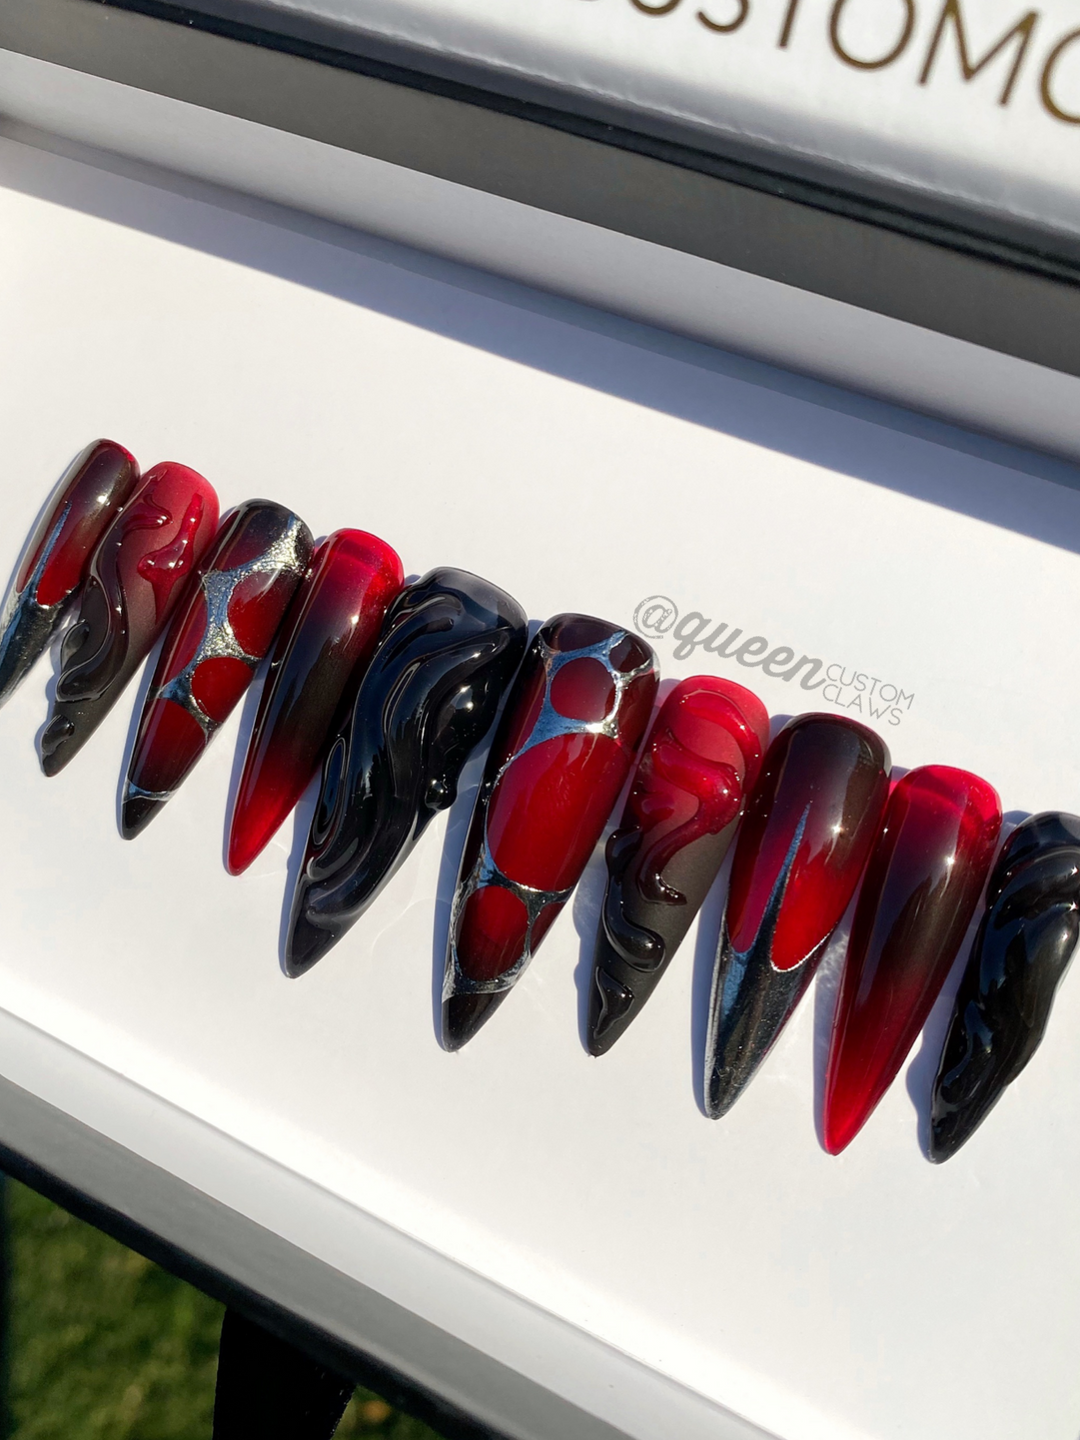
(923, 1066)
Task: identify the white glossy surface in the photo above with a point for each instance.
(840, 343)
(874, 1297)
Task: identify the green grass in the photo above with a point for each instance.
(103, 1345)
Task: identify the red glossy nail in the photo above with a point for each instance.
(318, 661)
(807, 834)
(573, 723)
(214, 644)
(921, 888)
(56, 557)
(136, 578)
(702, 759)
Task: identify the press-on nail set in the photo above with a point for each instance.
(389, 688)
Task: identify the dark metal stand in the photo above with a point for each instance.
(266, 1387)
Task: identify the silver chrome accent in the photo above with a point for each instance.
(550, 725)
(751, 999)
(25, 626)
(133, 791)
(219, 639)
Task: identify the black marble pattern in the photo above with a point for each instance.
(450, 646)
(1023, 947)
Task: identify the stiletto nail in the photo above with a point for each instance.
(136, 578)
(214, 644)
(703, 756)
(57, 555)
(1025, 942)
(573, 724)
(449, 648)
(921, 888)
(322, 649)
(807, 834)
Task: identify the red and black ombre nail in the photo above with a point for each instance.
(56, 557)
(702, 758)
(922, 884)
(214, 644)
(572, 726)
(318, 661)
(137, 575)
(807, 834)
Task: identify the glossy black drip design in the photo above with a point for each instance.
(94, 656)
(643, 924)
(96, 646)
(450, 646)
(1023, 947)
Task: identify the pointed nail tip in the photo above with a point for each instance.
(721, 1093)
(835, 1141)
(600, 1041)
(943, 1144)
(455, 1038)
(136, 812)
(464, 1014)
(305, 947)
(238, 860)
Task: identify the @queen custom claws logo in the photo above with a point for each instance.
(859, 693)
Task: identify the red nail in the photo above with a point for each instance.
(318, 661)
(214, 644)
(56, 557)
(137, 576)
(807, 834)
(922, 884)
(573, 723)
(702, 759)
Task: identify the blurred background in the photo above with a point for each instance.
(100, 1344)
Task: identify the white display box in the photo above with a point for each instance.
(561, 1246)
(925, 298)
